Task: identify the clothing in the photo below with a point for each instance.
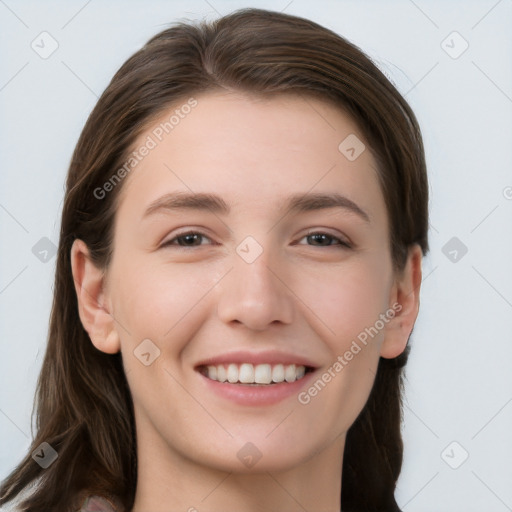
(99, 504)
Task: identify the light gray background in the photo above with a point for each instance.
(459, 380)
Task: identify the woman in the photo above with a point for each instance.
(259, 369)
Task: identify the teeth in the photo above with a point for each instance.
(232, 373)
(221, 373)
(247, 373)
(213, 372)
(278, 373)
(263, 374)
(290, 375)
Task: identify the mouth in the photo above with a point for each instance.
(247, 374)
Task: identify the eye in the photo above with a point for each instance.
(187, 239)
(320, 239)
(324, 240)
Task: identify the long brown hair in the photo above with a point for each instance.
(83, 403)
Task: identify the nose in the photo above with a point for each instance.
(256, 294)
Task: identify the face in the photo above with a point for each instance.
(252, 281)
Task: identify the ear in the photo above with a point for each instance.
(405, 302)
(93, 305)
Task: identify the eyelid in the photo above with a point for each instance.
(342, 239)
(191, 231)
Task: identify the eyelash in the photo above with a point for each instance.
(342, 244)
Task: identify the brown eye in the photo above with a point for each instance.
(321, 239)
(188, 239)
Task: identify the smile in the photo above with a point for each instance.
(261, 374)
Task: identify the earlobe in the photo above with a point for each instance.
(92, 301)
(406, 294)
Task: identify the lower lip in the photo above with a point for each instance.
(269, 394)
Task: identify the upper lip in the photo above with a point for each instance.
(269, 357)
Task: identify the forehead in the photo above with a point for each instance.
(253, 150)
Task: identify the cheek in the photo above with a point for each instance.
(160, 302)
(349, 305)
(347, 300)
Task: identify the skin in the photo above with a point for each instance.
(303, 295)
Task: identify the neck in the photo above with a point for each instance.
(167, 480)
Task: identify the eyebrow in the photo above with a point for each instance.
(297, 203)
